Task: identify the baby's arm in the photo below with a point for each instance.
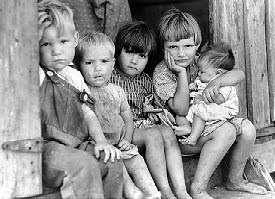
(125, 144)
(97, 135)
(230, 78)
(219, 99)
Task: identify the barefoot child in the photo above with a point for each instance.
(215, 61)
(180, 37)
(135, 44)
(95, 59)
(70, 162)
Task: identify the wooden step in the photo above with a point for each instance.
(222, 193)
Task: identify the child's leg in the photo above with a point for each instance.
(197, 128)
(213, 147)
(150, 140)
(138, 170)
(130, 190)
(74, 170)
(174, 162)
(238, 157)
(183, 127)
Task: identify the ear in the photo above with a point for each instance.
(76, 37)
(113, 65)
(219, 71)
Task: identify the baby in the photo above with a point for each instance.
(215, 61)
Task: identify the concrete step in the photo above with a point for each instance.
(222, 193)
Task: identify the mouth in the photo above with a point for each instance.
(131, 68)
(59, 61)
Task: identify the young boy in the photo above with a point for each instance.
(95, 59)
(135, 44)
(70, 161)
(180, 37)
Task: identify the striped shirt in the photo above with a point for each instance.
(136, 88)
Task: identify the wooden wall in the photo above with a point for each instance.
(20, 173)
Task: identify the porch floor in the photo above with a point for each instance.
(222, 193)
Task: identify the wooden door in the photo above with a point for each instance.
(20, 172)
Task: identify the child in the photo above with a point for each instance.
(95, 59)
(70, 161)
(135, 44)
(180, 37)
(215, 61)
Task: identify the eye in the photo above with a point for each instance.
(88, 63)
(143, 56)
(44, 44)
(189, 46)
(105, 61)
(63, 41)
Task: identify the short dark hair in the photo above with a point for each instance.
(219, 55)
(136, 37)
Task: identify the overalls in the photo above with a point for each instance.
(68, 156)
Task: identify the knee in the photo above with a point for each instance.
(153, 138)
(169, 136)
(248, 130)
(227, 134)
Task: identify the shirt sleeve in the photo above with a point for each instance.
(164, 84)
(124, 103)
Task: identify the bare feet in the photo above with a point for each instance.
(167, 195)
(246, 186)
(182, 130)
(197, 193)
(188, 141)
(184, 195)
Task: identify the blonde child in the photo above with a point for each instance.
(180, 37)
(135, 44)
(95, 59)
(80, 169)
(215, 61)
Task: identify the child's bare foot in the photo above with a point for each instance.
(188, 141)
(182, 130)
(245, 186)
(168, 195)
(198, 193)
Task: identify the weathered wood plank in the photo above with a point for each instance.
(270, 42)
(20, 173)
(256, 63)
(226, 24)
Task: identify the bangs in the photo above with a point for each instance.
(136, 42)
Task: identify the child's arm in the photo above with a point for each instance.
(230, 78)
(97, 135)
(180, 102)
(129, 130)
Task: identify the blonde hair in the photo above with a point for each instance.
(93, 39)
(61, 15)
(176, 25)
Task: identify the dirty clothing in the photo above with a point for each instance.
(110, 102)
(136, 88)
(212, 113)
(105, 16)
(68, 158)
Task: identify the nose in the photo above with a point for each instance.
(56, 49)
(134, 59)
(181, 52)
(97, 67)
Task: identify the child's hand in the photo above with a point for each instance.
(124, 145)
(171, 63)
(110, 151)
(44, 21)
(153, 117)
(211, 92)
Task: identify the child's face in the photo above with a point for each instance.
(206, 71)
(182, 51)
(57, 51)
(132, 64)
(96, 65)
